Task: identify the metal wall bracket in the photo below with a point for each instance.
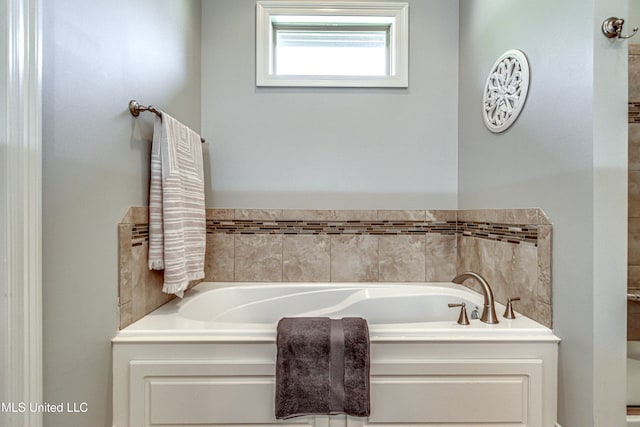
(612, 28)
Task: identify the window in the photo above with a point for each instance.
(331, 44)
(331, 51)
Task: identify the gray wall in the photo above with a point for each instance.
(330, 148)
(632, 19)
(97, 56)
(567, 155)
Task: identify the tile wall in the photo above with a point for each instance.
(140, 289)
(511, 248)
(633, 259)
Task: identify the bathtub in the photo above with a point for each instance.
(200, 359)
(244, 310)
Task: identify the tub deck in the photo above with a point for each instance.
(228, 311)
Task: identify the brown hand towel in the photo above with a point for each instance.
(322, 367)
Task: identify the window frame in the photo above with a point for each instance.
(267, 12)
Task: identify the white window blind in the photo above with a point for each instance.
(332, 44)
(331, 51)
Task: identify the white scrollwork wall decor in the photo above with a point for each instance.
(505, 91)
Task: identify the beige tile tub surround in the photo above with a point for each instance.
(289, 245)
(354, 258)
(520, 269)
(402, 258)
(336, 245)
(140, 288)
(258, 258)
(306, 258)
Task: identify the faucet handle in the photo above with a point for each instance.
(462, 319)
(508, 312)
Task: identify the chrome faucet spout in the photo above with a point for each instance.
(489, 310)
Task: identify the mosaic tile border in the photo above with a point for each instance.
(139, 234)
(634, 112)
(510, 233)
(372, 228)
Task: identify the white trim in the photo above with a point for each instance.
(399, 43)
(21, 219)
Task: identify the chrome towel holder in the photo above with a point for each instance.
(612, 29)
(135, 108)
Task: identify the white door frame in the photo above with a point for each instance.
(21, 212)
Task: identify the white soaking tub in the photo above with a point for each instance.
(209, 358)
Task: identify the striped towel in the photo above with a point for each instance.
(177, 232)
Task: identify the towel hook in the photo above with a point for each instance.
(612, 28)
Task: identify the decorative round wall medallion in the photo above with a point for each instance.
(505, 91)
